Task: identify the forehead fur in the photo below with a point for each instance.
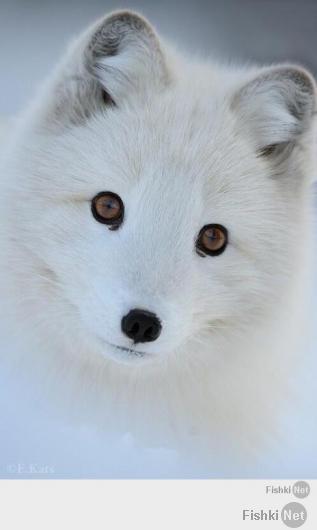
(186, 134)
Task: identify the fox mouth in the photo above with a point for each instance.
(130, 351)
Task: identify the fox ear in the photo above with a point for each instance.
(277, 107)
(117, 58)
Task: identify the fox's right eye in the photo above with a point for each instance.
(107, 208)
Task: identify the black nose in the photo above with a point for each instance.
(141, 326)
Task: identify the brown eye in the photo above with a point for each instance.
(212, 240)
(107, 208)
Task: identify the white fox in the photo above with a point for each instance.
(156, 239)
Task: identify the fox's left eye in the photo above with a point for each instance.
(107, 208)
(212, 240)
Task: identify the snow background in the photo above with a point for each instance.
(32, 37)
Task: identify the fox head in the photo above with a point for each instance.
(154, 200)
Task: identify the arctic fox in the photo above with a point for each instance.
(156, 238)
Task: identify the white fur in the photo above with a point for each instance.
(182, 149)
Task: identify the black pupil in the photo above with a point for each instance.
(211, 234)
(110, 204)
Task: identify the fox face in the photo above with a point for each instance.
(156, 201)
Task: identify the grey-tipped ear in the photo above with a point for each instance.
(277, 107)
(118, 57)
